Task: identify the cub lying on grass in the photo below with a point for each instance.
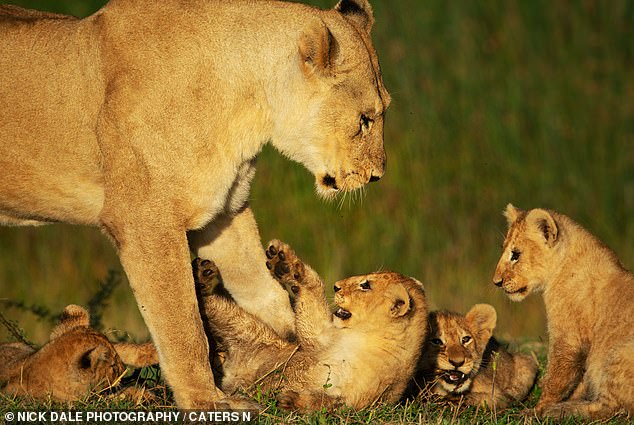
(461, 360)
(76, 361)
(364, 353)
(589, 299)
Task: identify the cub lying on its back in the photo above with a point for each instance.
(589, 304)
(366, 352)
(75, 361)
(461, 360)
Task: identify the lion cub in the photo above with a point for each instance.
(589, 305)
(75, 361)
(461, 360)
(365, 352)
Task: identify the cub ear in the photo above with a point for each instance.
(512, 214)
(90, 359)
(543, 222)
(483, 318)
(73, 316)
(317, 49)
(358, 11)
(399, 298)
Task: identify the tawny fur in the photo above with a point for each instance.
(367, 357)
(588, 297)
(146, 120)
(76, 361)
(462, 362)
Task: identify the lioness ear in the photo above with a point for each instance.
(511, 213)
(317, 49)
(399, 298)
(543, 222)
(73, 316)
(483, 318)
(358, 11)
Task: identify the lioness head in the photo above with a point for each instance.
(377, 300)
(455, 345)
(528, 253)
(334, 119)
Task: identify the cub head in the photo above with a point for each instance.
(331, 116)
(76, 360)
(453, 350)
(378, 300)
(528, 253)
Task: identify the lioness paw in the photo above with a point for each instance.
(284, 264)
(206, 276)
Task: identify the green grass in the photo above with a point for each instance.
(530, 102)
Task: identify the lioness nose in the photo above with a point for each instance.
(498, 283)
(336, 288)
(374, 178)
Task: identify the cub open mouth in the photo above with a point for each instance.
(454, 377)
(343, 314)
(518, 291)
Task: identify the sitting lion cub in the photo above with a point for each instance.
(366, 352)
(461, 361)
(589, 299)
(75, 361)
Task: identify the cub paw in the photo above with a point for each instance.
(284, 264)
(206, 276)
(287, 400)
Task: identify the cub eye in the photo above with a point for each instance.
(365, 285)
(466, 339)
(365, 123)
(515, 255)
(436, 341)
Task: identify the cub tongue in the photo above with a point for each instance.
(455, 376)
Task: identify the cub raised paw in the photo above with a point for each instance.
(206, 276)
(284, 264)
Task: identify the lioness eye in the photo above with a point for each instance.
(365, 285)
(365, 123)
(515, 255)
(466, 339)
(436, 341)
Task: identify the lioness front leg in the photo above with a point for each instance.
(164, 291)
(233, 243)
(312, 315)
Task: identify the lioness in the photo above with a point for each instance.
(364, 353)
(461, 361)
(588, 297)
(146, 119)
(75, 361)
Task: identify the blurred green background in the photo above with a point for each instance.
(530, 102)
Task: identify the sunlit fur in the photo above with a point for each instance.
(588, 298)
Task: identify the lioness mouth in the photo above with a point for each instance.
(454, 377)
(343, 314)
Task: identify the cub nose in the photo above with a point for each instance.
(336, 288)
(456, 362)
(498, 283)
(374, 178)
